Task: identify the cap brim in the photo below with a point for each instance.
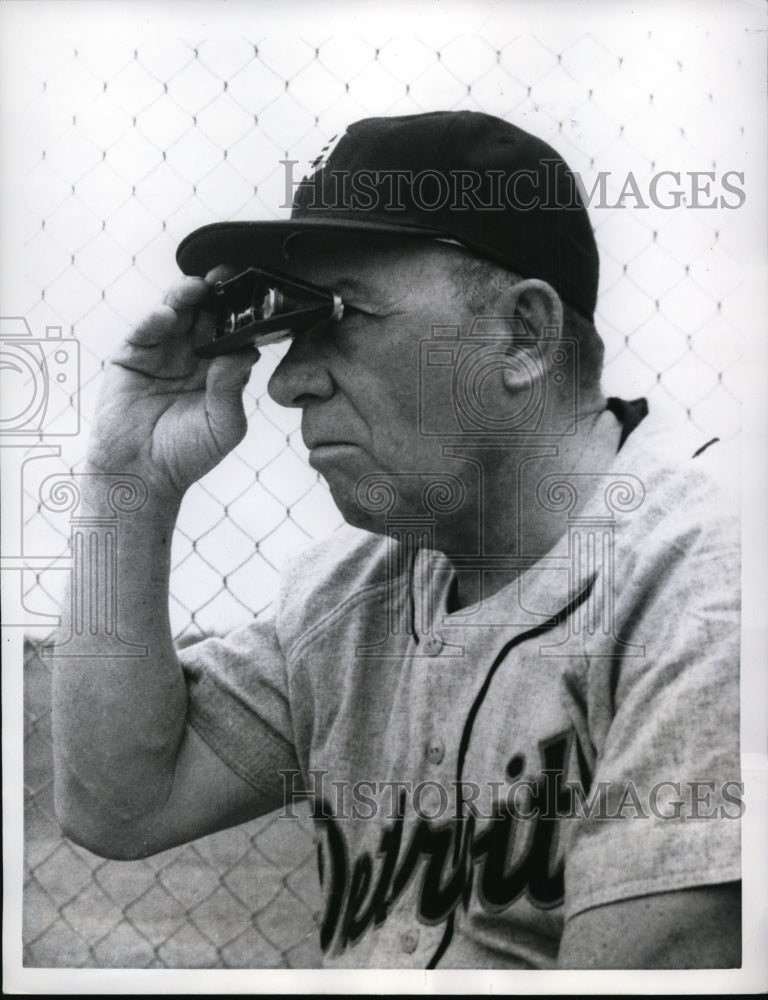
(243, 244)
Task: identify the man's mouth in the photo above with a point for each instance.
(322, 446)
(326, 453)
(312, 444)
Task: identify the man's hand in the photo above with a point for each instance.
(163, 413)
(697, 928)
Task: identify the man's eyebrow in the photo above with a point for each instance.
(348, 282)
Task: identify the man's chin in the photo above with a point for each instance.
(356, 515)
(378, 502)
(360, 504)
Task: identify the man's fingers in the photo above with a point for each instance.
(160, 345)
(169, 325)
(221, 273)
(165, 320)
(187, 293)
(154, 328)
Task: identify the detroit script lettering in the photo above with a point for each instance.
(452, 854)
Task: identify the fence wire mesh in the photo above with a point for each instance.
(130, 147)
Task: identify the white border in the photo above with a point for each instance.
(20, 19)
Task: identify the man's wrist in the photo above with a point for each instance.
(112, 493)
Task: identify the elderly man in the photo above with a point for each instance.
(510, 685)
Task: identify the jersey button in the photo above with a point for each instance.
(435, 750)
(432, 645)
(409, 941)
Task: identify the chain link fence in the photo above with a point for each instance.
(131, 146)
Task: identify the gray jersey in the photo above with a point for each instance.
(482, 775)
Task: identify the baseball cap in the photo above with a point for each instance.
(463, 176)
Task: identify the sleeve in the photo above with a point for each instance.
(246, 698)
(664, 722)
(238, 703)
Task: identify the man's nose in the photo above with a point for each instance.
(303, 376)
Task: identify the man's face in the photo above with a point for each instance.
(357, 380)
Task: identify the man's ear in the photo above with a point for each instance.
(535, 307)
(534, 315)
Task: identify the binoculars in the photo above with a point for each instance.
(259, 307)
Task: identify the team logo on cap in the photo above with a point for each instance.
(325, 153)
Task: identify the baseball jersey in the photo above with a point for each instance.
(480, 775)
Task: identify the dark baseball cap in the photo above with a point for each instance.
(461, 176)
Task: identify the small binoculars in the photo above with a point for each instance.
(260, 307)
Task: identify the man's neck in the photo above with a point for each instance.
(515, 523)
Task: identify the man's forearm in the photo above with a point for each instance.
(118, 720)
(165, 418)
